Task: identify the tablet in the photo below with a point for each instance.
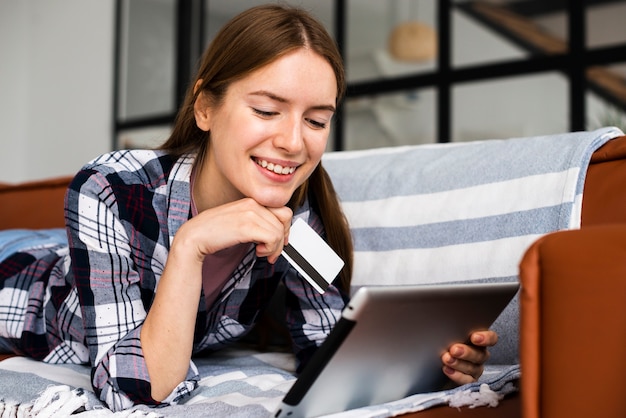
(388, 344)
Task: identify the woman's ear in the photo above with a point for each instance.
(202, 109)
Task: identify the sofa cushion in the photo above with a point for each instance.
(461, 212)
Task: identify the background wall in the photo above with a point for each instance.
(56, 80)
(56, 85)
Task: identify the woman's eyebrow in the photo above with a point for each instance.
(273, 96)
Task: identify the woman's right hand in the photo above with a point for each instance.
(167, 333)
(238, 222)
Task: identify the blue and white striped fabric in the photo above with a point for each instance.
(461, 212)
(235, 383)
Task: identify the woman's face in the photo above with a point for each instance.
(269, 133)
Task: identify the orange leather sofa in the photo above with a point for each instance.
(573, 312)
(33, 205)
(572, 305)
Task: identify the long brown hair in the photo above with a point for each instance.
(251, 40)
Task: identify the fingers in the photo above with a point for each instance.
(284, 215)
(464, 363)
(484, 338)
(271, 241)
(243, 221)
(462, 378)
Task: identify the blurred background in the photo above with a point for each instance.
(82, 77)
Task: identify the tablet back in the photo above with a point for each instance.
(388, 343)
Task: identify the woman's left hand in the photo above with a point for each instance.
(464, 363)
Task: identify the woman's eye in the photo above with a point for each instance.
(317, 124)
(264, 113)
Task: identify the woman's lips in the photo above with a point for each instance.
(275, 168)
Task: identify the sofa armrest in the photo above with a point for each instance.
(33, 205)
(572, 326)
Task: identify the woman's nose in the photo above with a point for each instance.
(291, 137)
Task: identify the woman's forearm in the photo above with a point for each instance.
(167, 333)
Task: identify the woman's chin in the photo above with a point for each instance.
(272, 200)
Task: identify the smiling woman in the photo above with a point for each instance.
(204, 220)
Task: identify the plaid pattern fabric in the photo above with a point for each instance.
(122, 212)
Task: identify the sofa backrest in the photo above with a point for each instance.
(604, 199)
(33, 205)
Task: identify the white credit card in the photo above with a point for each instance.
(312, 256)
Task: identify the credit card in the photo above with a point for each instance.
(311, 256)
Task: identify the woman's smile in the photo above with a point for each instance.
(275, 168)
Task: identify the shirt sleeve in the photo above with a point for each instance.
(310, 315)
(110, 292)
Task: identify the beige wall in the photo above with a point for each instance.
(56, 78)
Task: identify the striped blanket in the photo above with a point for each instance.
(461, 211)
(235, 383)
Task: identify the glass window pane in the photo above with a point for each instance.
(491, 31)
(390, 38)
(147, 56)
(390, 120)
(510, 107)
(551, 27)
(148, 137)
(606, 97)
(605, 24)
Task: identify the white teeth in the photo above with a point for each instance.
(276, 168)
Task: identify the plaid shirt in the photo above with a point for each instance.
(122, 212)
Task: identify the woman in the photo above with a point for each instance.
(176, 251)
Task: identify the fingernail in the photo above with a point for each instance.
(457, 351)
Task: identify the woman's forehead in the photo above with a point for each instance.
(302, 71)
